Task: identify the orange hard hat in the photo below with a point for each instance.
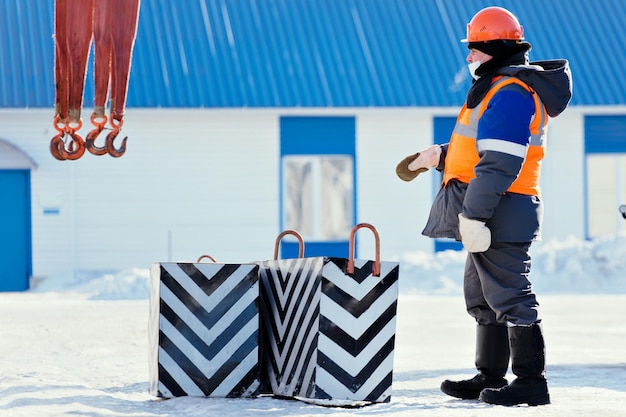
(493, 23)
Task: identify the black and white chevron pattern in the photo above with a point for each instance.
(204, 330)
(329, 335)
(290, 297)
(357, 331)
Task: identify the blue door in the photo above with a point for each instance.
(15, 233)
(443, 127)
(318, 183)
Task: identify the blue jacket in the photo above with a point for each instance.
(511, 217)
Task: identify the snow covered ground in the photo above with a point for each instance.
(78, 346)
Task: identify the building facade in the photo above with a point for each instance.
(247, 118)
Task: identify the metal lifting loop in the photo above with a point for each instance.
(206, 257)
(376, 266)
(285, 233)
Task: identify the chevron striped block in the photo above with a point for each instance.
(290, 296)
(329, 335)
(204, 330)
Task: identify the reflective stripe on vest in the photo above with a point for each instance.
(462, 154)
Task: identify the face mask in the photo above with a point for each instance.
(472, 69)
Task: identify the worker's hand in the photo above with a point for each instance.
(413, 165)
(476, 237)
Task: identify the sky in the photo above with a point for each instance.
(78, 346)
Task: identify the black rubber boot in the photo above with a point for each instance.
(528, 362)
(492, 361)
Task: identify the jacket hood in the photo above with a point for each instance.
(552, 80)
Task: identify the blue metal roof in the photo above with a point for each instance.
(322, 53)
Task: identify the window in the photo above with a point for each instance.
(605, 173)
(606, 181)
(317, 183)
(318, 193)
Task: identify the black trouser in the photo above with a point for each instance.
(496, 285)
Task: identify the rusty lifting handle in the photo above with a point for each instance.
(289, 232)
(376, 267)
(206, 257)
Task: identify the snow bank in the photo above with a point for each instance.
(572, 266)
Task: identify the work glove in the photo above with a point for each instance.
(413, 165)
(476, 237)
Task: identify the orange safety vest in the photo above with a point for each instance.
(462, 154)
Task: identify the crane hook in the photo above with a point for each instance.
(116, 153)
(57, 141)
(76, 146)
(90, 139)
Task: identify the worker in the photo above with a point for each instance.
(490, 200)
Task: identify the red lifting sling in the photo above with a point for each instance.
(113, 26)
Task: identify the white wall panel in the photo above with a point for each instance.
(562, 178)
(398, 209)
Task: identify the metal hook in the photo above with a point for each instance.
(116, 153)
(76, 146)
(57, 143)
(90, 139)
